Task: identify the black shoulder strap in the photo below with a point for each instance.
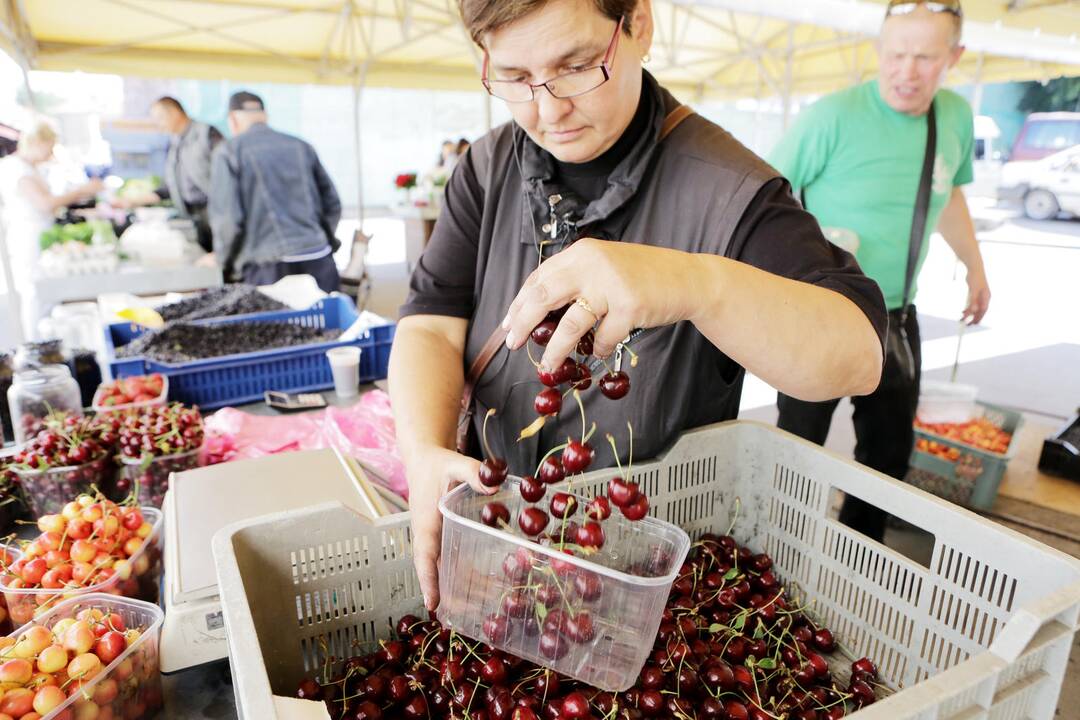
(922, 207)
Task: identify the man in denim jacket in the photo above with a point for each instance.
(273, 208)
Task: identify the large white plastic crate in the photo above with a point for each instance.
(983, 633)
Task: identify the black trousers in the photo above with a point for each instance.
(883, 421)
(323, 270)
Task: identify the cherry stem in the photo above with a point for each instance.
(548, 454)
(733, 519)
(630, 460)
(615, 451)
(483, 434)
(588, 435)
(581, 406)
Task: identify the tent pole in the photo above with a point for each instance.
(788, 69)
(977, 92)
(357, 88)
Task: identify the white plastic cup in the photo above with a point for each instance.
(345, 367)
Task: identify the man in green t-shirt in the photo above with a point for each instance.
(856, 157)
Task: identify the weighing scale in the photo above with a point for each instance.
(202, 501)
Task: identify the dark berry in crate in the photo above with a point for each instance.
(861, 692)
(548, 402)
(575, 705)
(563, 505)
(517, 564)
(577, 456)
(551, 470)
(621, 492)
(553, 645)
(636, 510)
(590, 535)
(599, 508)
(615, 385)
(824, 641)
(588, 586)
(532, 521)
(580, 628)
(495, 514)
(531, 489)
(496, 628)
(866, 667)
(541, 334)
(493, 472)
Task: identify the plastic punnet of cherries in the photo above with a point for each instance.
(45, 668)
(732, 645)
(153, 443)
(91, 543)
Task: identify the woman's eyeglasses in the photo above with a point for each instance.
(567, 85)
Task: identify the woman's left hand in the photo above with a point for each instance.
(622, 285)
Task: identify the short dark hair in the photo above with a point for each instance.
(484, 16)
(245, 100)
(170, 101)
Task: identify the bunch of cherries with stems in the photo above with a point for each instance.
(568, 459)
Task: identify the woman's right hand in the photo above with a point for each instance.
(432, 472)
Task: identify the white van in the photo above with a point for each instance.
(1045, 188)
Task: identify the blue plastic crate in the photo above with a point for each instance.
(237, 379)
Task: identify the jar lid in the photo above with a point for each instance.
(41, 374)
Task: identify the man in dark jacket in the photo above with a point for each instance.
(273, 208)
(187, 167)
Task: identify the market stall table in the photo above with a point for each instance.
(419, 224)
(128, 278)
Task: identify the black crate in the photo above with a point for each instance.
(1061, 453)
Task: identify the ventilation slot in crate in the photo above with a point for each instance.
(977, 578)
(805, 491)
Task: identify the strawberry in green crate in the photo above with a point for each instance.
(154, 443)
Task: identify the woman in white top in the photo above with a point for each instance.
(29, 209)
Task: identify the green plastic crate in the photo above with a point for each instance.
(972, 480)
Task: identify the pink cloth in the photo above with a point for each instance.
(364, 431)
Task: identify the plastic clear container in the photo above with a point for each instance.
(47, 491)
(596, 618)
(137, 670)
(39, 391)
(24, 603)
(160, 400)
(8, 555)
(942, 402)
(152, 475)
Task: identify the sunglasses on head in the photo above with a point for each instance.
(903, 7)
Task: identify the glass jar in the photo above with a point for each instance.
(84, 367)
(7, 377)
(39, 391)
(44, 352)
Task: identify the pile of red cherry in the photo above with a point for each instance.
(63, 441)
(573, 376)
(157, 431)
(731, 646)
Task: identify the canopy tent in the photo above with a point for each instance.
(703, 48)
